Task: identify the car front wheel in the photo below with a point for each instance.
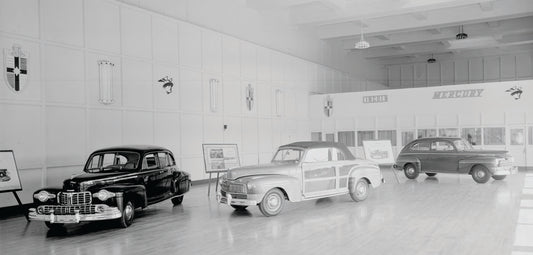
(272, 203)
(359, 190)
(499, 177)
(128, 213)
(177, 200)
(480, 174)
(410, 171)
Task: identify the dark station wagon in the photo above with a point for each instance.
(116, 181)
(453, 155)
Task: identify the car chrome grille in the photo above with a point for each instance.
(235, 196)
(66, 209)
(74, 198)
(233, 187)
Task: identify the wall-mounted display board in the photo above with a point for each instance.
(220, 158)
(379, 151)
(9, 175)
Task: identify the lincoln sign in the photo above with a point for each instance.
(457, 93)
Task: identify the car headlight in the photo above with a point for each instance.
(103, 195)
(43, 196)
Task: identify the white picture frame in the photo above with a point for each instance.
(9, 175)
(220, 157)
(379, 151)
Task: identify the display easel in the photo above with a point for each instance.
(10, 178)
(209, 182)
(21, 206)
(380, 151)
(219, 158)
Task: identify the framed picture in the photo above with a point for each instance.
(379, 151)
(220, 157)
(9, 175)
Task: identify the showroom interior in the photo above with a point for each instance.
(254, 75)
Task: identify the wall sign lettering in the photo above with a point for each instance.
(457, 93)
(375, 99)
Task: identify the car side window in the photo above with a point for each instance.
(441, 146)
(95, 162)
(337, 155)
(171, 161)
(420, 146)
(317, 155)
(149, 161)
(163, 159)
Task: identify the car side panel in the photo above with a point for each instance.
(465, 165)
(372, 174)
(263, 184)
(403, 160)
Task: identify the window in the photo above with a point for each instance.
(407, 137)
(317, 155)
(364, 136)
(448, 132)
(316, 136)
(494, 136)
(149, 161)
(472, 135)
(113, 161)
(287, 155)
(347, 138)
(337, 155)
(95, 162)
(422, 133)
(387, 135)
(462, 145)
(441, 146)
(171, 160)
(517, 136)
(163, 159)
(421, 146)
(330, 137)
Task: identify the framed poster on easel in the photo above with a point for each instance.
(9, 175)
(380, 152)
(219, 158)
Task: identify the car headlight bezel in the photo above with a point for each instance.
(104, 195)
(44, 196)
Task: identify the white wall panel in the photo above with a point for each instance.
(65, 136)
(265, 99)
(434, 74)
(233, 132)
(212, 51)
(165, 40)
(190, 90)
(63, 26)
(231, 60)
(469, 119)
(493, 118)
(92, 84)
(137, 83)
(461, 71)
(264, 60)
(191, 138)
(420, 76)
(491, 69)
(407, 76)
(20, 17)
(475, 68)
(190, 45)
(515, 118)
(138, 127)
(386, 122)
(447, 72)
(447, 119)
(424, 120)
(136, 33)
(104, 128)
(63, 73)
(102, 25)
(195, 167)
(344, 124)
(524, 66)
(20, 132)
(167, 132)
(248, 61)
(508, 67)
(406, 121)
(34, 84)
(264, 135)
(395, 77)
(232, 97)
(249, 135)
(365, 122)
(213, 129)
(163, 100)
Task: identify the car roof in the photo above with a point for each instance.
(320, 144)
(437, 138)
(136, 148)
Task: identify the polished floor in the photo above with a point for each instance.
(446, 214)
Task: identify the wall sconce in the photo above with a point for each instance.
(105, 71)
(250, 97)
(213, 94)
(279, 102)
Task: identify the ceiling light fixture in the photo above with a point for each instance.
(432, 59)
(461, 35)
(362, 44)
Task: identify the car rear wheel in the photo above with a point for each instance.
(480, 174)
(54, 226)
(499, 177)
(431, 174)
(128, 213)
(272, 203)
(359, 190)
(239, 207)
(177, 200)
(410, 171)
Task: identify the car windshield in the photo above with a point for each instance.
(287, 154)
(462, 145)
(112, 161)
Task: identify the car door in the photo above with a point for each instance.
(442, 158)
(153, 176)
(168, 166)
(319, 175)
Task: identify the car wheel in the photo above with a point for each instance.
(480, 174)
(54, 226)
(499, 177)
(410, 171)
(431, 174)
(239, 207)
(359, 190)
(128, 213)
(177, 200)
(272, 203)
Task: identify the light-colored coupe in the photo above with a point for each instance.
(299, 171)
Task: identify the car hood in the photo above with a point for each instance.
(264, 169)
(77, 179)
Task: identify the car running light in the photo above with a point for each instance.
(103, 195)
(43, 196)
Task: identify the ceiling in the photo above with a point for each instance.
(411, 28)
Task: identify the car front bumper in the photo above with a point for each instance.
(228, 199)
(504, 170)
(108, 214)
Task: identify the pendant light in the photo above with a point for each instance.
(362, 44)
(461, 35)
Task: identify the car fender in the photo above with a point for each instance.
(465, 165)
(136, 193)
(261, 184)
(369, 172)
(401, 161)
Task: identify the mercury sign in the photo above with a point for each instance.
(375, 99)
(457, 93)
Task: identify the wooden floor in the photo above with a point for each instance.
(446, 214)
